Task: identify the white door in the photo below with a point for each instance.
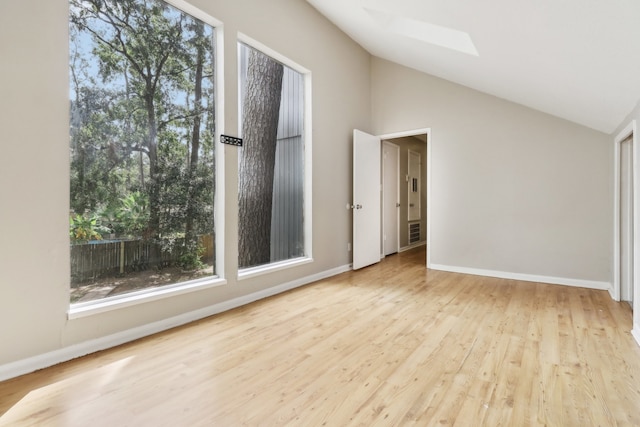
(390, 197)
(366, 199)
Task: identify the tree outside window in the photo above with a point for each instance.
(271, 161)
(142, 147)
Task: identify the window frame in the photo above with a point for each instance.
(307, 211)
(88, 308)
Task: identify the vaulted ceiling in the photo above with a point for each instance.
(575, 59)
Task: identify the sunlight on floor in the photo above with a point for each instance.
(57, 399)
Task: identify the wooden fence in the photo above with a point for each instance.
(206, 241)
(116, 257)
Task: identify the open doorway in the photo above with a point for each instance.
(405, 226)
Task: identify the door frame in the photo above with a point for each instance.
(616, 291)
(427, 178)
(629, 130)
(385, 177)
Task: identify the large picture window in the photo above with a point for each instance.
(141, 145)
(271, 161)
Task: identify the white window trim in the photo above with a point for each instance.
(89, 308)
(249, 272)
(192, 10)
(245, 273)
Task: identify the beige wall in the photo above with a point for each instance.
(34, 166)
(513, 190)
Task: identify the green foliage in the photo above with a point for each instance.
(192, 259)
(133, 111)
(133, 215)
(83, 229)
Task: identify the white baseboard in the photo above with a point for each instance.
(590, 284)
(31, 364)
(415, 245)
(635, 332)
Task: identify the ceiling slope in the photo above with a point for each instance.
(574, 59)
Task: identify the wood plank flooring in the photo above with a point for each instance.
(391, 345)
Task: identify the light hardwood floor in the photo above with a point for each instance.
(391, 345)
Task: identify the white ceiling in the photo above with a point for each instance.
(575, 59)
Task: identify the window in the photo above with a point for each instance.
(142, 147)
(271, 162)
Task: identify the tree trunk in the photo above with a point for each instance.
(257, 158)
(154, 185)
(189, 232)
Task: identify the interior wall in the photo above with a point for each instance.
(34, 166)
(513, 190)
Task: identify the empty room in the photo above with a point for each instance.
(319, 212)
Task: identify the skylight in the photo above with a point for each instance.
(424, 31)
